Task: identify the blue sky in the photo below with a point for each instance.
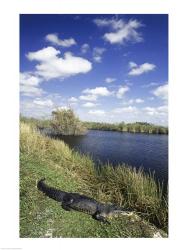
(108, 68)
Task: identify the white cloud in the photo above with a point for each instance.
(98, 91)
(52, 66)
(41, 102)
(122, 32)
(88, 97)
(29, 84)
(44, 54)
(72, 99)
(30, 108)
(27, 78)
(161, 92)
(97, 54)
(140, 69)
(96, 112)
(156, 111)
(31, 91)
(115, 24)
(139, 100)
(132, 65)
(84, 48)
(89, 105)
(121, 91)
(53, 38)
(110, 80)
(129, 109)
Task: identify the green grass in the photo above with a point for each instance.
(70, 171)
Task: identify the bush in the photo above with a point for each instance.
(65, 122)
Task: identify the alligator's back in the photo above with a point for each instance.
(51, 192)
(83, 203)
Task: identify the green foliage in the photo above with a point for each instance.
(137, 127)
(39, 123)
(65, 122)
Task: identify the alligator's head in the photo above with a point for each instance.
(111, 211)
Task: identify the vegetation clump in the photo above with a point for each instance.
(65, 122)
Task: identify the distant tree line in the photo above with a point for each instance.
(136, 127)
(65, 122)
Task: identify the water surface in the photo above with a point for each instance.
(139, 150)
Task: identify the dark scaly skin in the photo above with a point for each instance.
(81, 203)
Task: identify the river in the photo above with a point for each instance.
(139, 150)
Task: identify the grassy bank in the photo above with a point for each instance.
(68, 170)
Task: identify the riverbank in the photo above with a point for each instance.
(65, 169)
(136, 127)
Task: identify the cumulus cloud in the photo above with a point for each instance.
(29, 79)
(156, 111)
(137, 100)
(140, 69)
(38, 107)
(52, 66)
(98, 91)
(89, 105)
(110, 80)
(88, 97)
(53, 38)
(29, 84)
(41, 102)
(161, 92)
(132, 65)
(97, 54)
(31, 91)
(96, 112)
(43, 55)
(121, 31)
(84, 48)
(93, 94)
(121, 91)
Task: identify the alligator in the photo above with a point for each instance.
(81, 203)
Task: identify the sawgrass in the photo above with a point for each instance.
(68, 170)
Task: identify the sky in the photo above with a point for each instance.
(107, 68)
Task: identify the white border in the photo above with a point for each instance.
(9, 182)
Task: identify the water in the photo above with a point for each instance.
(139, 150)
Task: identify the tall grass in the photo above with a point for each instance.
(124, 185)
(133, 189)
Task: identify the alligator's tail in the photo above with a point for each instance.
(51, 192)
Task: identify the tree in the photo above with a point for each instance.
(65, 122)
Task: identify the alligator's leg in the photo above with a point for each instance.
(99, 217)
(65, 207)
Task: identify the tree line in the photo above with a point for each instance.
(65, 122)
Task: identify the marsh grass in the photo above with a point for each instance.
(133, 189)
(124, 185)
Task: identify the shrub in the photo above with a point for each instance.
(65, 122)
